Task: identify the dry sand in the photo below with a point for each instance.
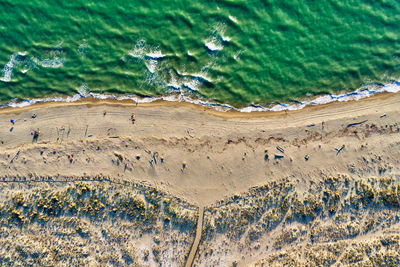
(197, 153)
(309, 166)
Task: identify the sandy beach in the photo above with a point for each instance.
(218, 168)
(197, 153)
(200, 133)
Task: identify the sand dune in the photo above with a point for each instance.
(207, 157)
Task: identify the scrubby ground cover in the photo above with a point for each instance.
(334, 220)
(322, 222)
(93, 223)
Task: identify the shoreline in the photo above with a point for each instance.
(198, 153)
(322, 100)
(229, 113)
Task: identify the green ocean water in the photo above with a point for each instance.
(235, 52)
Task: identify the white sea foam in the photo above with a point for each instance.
(219, 31)
(232, 18)
(213, 44)
(192, 82)
(201, 77)
(15, 60)
(237, 55)
(174, 82)
(151, 65)
(358, 94)
(192, 85)
(28, 63)
(215, 41)
(161, 75)
(139, 50)
(225, 38)
(25, 103)
(325, 99)
(174, 87)
(392, 88)
(83, 90)
(8, 69)
(155, 54)
(149, 55)
(55, 62)
(219, 28)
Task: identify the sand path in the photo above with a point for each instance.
(195, 245)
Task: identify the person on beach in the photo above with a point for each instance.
(35, 135)
(133, 118)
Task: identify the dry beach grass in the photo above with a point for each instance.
(295, 177)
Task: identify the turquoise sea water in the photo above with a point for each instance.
(234, 52)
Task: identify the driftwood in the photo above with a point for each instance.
(339, 150)
(15, 157)
(356, 123)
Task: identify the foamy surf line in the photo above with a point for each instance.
(297, 105)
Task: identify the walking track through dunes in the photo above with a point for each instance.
(329, 221)
(324, 180)
(201, 156)
(195, 246)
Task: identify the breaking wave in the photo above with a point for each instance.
(393, 87)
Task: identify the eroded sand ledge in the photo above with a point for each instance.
(201, 156)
